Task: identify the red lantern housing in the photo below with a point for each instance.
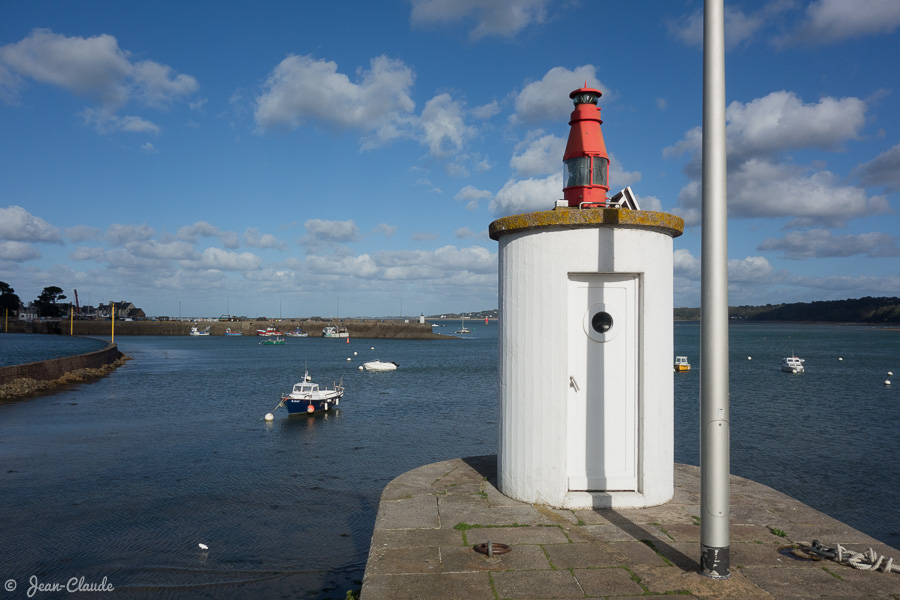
(586, 164)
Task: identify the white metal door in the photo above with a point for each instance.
(602, 400)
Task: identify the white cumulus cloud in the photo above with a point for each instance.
(256, 239)
(821, 243)
(302, 88)
(472, 196)
(759, 186)
(444, 126)
(829, 21)
(884, 170)
(216, 258)
(538, 154)
(95, 68)
(527, 195)
(119, 235)
(17, 251)
(17, 224)
(548, 99)
(490, 17)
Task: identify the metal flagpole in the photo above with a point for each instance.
(715, 549)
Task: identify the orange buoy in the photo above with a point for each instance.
(348, 340)
(310, 408)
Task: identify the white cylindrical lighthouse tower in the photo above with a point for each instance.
(586, 345)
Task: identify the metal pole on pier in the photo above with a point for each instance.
(715, 549)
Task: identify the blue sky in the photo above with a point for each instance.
(306, 158)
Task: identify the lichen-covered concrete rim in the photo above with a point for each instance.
(570, 218)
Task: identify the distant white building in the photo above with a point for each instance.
(29, 312)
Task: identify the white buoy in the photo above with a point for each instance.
(840, 358)
(348, 358)
(360, 367)
(891, 373)
(748, 358)
(203, 546)
(269, 416)
(354, 354)
(887, 382)
(372, 348)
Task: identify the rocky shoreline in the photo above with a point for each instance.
(19, 389)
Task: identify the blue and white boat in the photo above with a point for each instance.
(307, 398)
(297, 333)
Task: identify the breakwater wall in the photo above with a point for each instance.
(357, 328)
(48, 370)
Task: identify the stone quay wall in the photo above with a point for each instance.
(48, 370)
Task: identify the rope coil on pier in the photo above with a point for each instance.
(863, 561)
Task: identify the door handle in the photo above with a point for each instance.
(573, 383)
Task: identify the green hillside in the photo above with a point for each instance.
(860, 310)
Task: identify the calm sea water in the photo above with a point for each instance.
(21, 348)
(124, 477)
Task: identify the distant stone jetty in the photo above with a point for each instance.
(357, 328)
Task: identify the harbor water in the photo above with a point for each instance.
(22, 348)
(124, 478)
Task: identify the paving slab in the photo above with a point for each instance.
(430, 518)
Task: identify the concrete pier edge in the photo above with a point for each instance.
(430, 518)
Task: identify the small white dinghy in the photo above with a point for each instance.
(379, 365)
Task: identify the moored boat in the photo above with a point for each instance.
(269, 332)
(228, 331)
(278, 341)
(297, 333)
(335, 332)
(682, 364)
(307, 397)
(792, 364)
(195, 331)
(379, 365)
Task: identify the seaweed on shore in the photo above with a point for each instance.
(19, 389)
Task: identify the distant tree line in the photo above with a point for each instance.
(9, 301)
(45, 303)
(859, 310)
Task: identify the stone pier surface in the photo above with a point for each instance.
(430, 518)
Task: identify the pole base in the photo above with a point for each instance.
(715, 563)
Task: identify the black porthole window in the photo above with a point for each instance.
(602, 322)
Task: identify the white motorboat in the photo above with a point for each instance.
(335, 332)
(792, 364)
(195, 331)
(307, 398)
(379, 365)
(297, 333)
